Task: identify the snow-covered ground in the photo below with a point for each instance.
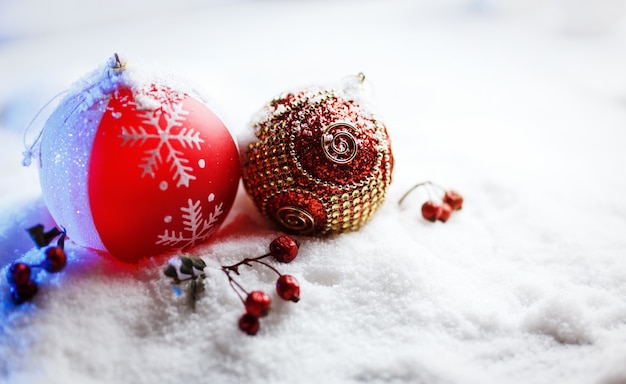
(519, 105)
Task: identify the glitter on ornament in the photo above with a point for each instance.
(320, 162)
(131, 163)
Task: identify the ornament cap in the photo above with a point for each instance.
(359, 88)
(117, 63)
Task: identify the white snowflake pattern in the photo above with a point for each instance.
(152, 130)
(197, 229)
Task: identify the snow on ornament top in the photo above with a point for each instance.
(320, 162)
(135, 164)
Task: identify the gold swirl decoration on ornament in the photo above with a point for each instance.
(338, 142)
(296, 219)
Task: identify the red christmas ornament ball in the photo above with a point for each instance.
(131, 165)
(320, 162)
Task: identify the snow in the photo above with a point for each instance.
(518, 105)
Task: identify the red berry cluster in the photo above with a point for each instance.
(257, 304)
(432, 210)
(19, 275)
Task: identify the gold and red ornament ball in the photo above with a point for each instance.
(135, 164)
(320, 162)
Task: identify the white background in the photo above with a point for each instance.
(519, 105)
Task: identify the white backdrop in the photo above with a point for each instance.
(519, 105)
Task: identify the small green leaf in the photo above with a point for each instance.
(61, 240)
(193, 293)
(187, 265)
(37, 235)
(170, 271)
(197, 262)
(200, 287)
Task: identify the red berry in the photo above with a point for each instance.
(18, 274)
(24, 292)
(55, 259)
(453, 199)
(430, 210)
(258, 303)
(444, 212)
(284, 248)
(249, 324)
(288, 288)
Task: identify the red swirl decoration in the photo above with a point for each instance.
(321, 163)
